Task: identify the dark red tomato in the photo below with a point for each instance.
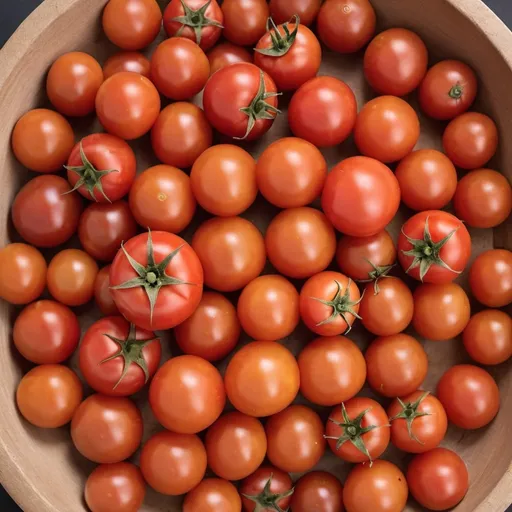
(434, 247)
(46, 332)
(395, 62)
(438, 479)
(225, 54)
(133, 62)
(102, 294)
(181, 133)
(470, 140)
(213, 495)
(318, 491)
(448, 90)
(73, 82)
(284, 10)
(42, 140)
(244, 22)
(102, 167)
(345, 26)
(156, 280)
(358, 430)
(361, 196)
(323, 111)
(240, 101)
(116, 358)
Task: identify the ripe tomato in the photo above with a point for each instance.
(268, 308)
(132, 24)
(42, 140)
(284, 10)
(231, 251)
(46, 332)
(427, 180)
(295, 439)
(116, 358)
(323, 111)
(470, 140)
(48, 395)
(240, 101)
(236, 445)
(434, 247)
(156, 280)
(395, 62)
(483, 198)
(73, 82)
(345, 26)
(133, 62)
(469, 395)
(418, 422)
(225, 54)
(127, 105)
(173, 464)
(213, 495)
(319, 491)
(361, 196)
(441, 311)
(291, 172)
(22, 273)
(223, 180)
(438, 479)
(262, 378)
(300, 242)
(187, 394)
(102, 294)
(358, 430)
(244, 22)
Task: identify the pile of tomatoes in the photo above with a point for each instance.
(153, 279)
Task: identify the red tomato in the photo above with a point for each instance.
(102, 294)
(213, 495)
(284, 10)
(244, 22)
(133, 62)
(225, 54)
(318, 491)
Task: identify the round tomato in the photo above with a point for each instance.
(156, 280)
(48, 395)
(318, 491)
(323, 111)
(244, 22)
(133, 62)
(102, 294)
(262, 378)
(213, 495)
(284, 10)
(225, 54)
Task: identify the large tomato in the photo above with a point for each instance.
(244, 22)
(225, 54)
(213, 495)
(284, 10)
(133, 62)
(102, 294)
(318, 491)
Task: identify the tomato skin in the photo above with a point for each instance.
(213, 495)
(319, 491)
(225, 54)
(244, 22)
(282, 11)
(102, 294)
(133, 62)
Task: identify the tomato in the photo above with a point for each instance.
(42, 140)
(71, 276)
(244, 22)
(187, 394)
(102, 167)
(358, 430)
(448, 90)
(268, 308)
(22, 273)
(283, 10)
(179, 68)
(231, 251)
(49, 395)
(127, 105)
(438, 479)
(318, 491)
(295, 439)
(470, 140)
(133, 62)
(213, 495)
(345, 26)
(289, 53)
(240, 101)
(180, 134)
(236, 445)
(441, 311)
(156, 280)
(223, 180)
(427, 180)
(361, 196)
(434, 247)
(102, 294)
(291, 172)
(119, 487)
(469, 395)
(300, 242)
(379, 487)
(262, 378)
(173, 464)
(116, 358)
(490, 278)
(46, 332)
(483, 198)
(323, 111)
(387, 129)
(73, 82)
(225, 54)
(132, 24)
(418, 422)
(395, 62)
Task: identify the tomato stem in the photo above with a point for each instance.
(409, 413)
(266, 499)
(280, 44)
(376, 274)
(456, 91)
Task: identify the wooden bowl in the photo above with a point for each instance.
(40, 468)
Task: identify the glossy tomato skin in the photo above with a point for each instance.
(284, 10)
(102, 294)
(361, 196)
(244, 22)
(225, 54)
(213, 495)
(319, 491)
(133, 62)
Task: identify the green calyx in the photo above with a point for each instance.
(409, 413)
(456, 91)
(281, 44)
(376, 274)
(267, 500)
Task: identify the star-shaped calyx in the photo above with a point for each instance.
(281, 44)
(267, 500)
(409, 413)
(376, 274)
